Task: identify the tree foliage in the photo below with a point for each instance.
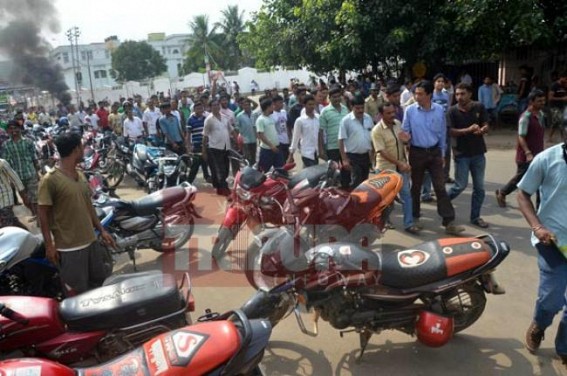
(219, 42)
(134, 61)
(352, 34)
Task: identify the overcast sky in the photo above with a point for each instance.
(98, 19)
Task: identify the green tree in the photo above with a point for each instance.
(231, 26)
(204, 41)
(134, 61)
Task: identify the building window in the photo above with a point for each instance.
(107, 54)
(65, 57)
(90, 55)
(176, 51)
(96, 74)
(100, 73)
(83, 55)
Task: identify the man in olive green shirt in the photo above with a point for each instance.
(270, 154)
(67, 213)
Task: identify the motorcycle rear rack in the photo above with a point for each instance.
(186, 279)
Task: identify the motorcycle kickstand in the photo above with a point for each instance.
(132, 255)
(364, 338)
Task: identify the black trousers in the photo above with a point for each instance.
(512, 185)
(308, 162)
(197, 162)
(431, 160)
(335, 155)
(284, 148)
(219, 163)
(359, 168)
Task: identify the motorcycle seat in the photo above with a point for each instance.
(148, 205)
(251, 178)
(432, 261)
(123, 304)
(313, 174)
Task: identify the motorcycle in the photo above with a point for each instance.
(118, 157)
(103, 323)
(228, 344)
(172, 170)
(257, 199)
(432, 290)
(162, 221)
(24, 269)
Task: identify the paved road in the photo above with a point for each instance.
(493, 346)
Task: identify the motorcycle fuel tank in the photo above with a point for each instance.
(16, 244)
(43, 317)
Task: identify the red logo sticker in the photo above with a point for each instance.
(412, 258)
(186, 345)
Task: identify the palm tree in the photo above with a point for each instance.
(232, 25)
(204, 42)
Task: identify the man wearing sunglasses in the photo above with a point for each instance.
(547, 174)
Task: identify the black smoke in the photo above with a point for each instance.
(21, 41)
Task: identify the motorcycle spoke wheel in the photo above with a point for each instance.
(115, 174)
(175, 235)
(224, 238)
(465, 304)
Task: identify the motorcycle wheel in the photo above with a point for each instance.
(222, 242)
(183, 232)
(465, 304)
(105, 161)
(115, 171)
(253, 273)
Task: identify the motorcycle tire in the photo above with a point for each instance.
(106, 161)
(224, 238)
(253, 273)
(115, 173)
(465, 304)
(180, 240)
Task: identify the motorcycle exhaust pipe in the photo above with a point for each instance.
(269, 306)
(127, 242)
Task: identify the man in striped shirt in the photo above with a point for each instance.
(9, 179)
(195, 125)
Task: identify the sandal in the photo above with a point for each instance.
(480, 223)
(414, 230)
(500, 198)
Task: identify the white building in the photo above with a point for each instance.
(95, 63)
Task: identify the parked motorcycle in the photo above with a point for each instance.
(118, 157)
(24, 269)
(102, 323)
(431, 290)
(229, 344)
(257, 199)
(172, 170)
(162, 221)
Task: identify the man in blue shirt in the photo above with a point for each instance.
(547, 174)
(195, 125)
(425, 128)
(171, 130)
(489, 95)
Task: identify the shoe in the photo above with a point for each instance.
(500, 198)
(479, 222)
(563, 358)
(390, 226)
(208, 179)
(417, 224)
(449, 181)
(414, 230)
(534, 336)
(494, 286)
(427, 199)
(452, 229)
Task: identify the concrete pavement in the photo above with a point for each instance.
(492, 346)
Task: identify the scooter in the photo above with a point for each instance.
(103, 323)
(228, 344)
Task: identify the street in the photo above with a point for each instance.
(492, 346)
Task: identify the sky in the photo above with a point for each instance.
(133, 20)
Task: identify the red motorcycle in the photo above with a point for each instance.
(102, 323)
(432, 290)
(224, 345)
(257, 200)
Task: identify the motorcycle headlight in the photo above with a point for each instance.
(266, 200)
(243, 194)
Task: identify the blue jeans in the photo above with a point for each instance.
(476, 166)
(552, 297)
(405, 195)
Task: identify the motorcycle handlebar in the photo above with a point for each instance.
(13, 315)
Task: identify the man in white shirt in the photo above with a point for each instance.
(92, 118)
(133, 126)
(306, 131)
(217, 133)
(280, 117)
(150, 118)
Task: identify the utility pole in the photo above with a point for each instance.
(90, 75)
(72, 35)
